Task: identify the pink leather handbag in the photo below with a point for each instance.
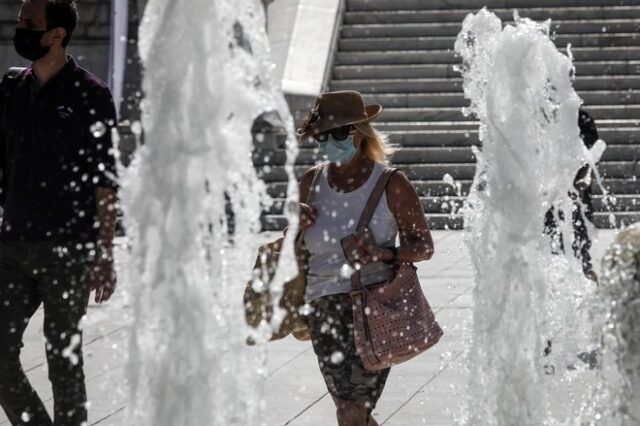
(393, 321)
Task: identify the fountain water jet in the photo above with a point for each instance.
(206, 79)
(520, 89)
(618, 319)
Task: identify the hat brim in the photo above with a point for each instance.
(373, 112)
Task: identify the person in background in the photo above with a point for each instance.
(356, 157)
(582, 210)
(583, 206)
(58, 198)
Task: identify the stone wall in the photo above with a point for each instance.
(91, 40)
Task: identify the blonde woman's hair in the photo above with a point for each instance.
(376, 145)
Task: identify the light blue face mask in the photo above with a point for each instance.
(338, 151)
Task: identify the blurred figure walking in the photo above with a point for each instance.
(583, 206)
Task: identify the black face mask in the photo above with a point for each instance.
(27, 44)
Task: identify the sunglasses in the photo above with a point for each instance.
(339, 134)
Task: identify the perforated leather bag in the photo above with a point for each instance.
(393, 321)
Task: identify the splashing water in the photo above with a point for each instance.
(520, 89)
(207, 78)
(618, 321)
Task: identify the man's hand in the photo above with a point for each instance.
(103, 274)
(103, 278)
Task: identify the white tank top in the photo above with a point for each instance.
(337, 217)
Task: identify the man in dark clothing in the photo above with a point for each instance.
(58, 198)
(583, 207)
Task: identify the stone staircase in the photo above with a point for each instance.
(400, 53)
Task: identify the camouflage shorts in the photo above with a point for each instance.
(331, 327)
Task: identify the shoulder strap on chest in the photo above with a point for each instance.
(313, 189)
(374, 198)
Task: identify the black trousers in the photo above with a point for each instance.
(56, 277)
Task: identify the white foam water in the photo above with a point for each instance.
(206, 79)
(618, 324)
(520, 88)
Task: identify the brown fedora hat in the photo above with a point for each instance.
(337, 109)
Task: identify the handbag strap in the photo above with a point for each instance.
(374, 199)
(367, 214)
(313, 190)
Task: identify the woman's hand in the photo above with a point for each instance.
(307, 215)
(368, 252)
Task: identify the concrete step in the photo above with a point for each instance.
(422, 114)
(445, 204)
(457, 16)
(345, 72)
(607, 68)
(620, 220)
(391, 127)
(449, 100)
(454, 138)
(471, 125)
(619, 169)
(452, 29)
(459, 171)
(434, 221)
(619, 186)
(397, 57)
(602, 220)
(372, 5)
(629, 152)
(438, 85)
(435, 138)
(453, 204)
(618, 203)
(455, 114)
(426, 188)
(438, 188)
(429, 155)
(603, 40)
(403, 155)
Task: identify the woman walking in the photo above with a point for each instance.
(356, 155)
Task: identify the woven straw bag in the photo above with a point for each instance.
(257, 302)
(393, 321)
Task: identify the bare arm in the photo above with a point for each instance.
(104, 276)
(106, 208)
(416, 243)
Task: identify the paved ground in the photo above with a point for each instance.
(425, 391)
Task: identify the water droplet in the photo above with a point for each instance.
(305, 310)
(448, 179)
(98, 129)
(337, 357)
(346, 271)
(136, 128)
